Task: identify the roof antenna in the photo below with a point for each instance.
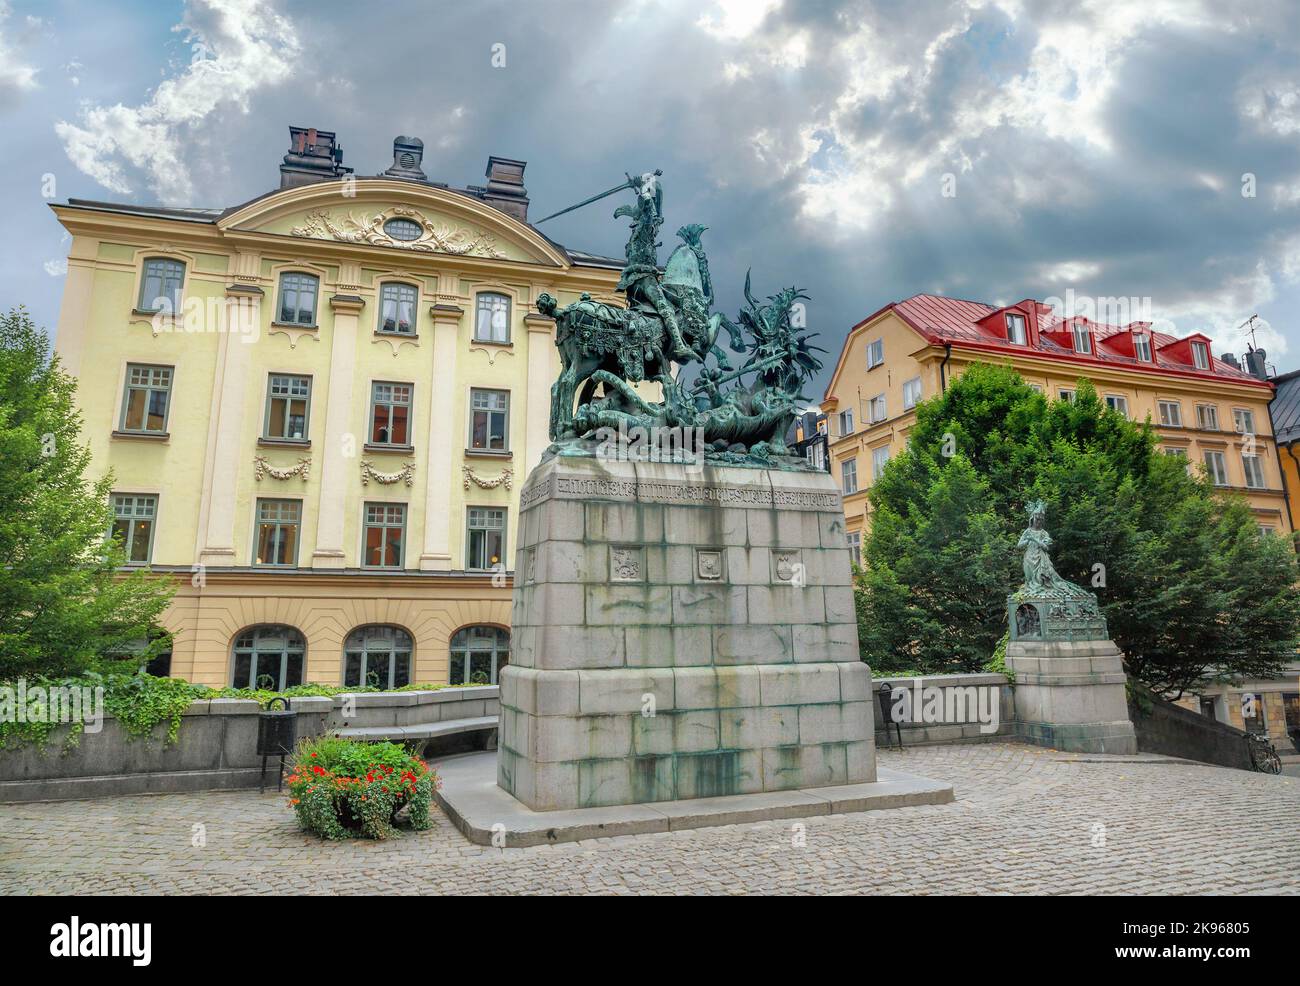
(1250, 324)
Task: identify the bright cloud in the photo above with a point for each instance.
(16, 76)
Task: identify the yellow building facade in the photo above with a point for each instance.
(319, 407)
(1207, 409)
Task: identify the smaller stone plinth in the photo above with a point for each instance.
(1070, 695)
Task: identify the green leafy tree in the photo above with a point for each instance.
(1190, 586)
(64, 602)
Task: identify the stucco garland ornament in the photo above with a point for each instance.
(505, 479)
(263, 468)
(369, 472)
(433, 238)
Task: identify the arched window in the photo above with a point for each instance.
(160, 287)
(378, 656)
(478, 654)
(397, 308)
(492, 318)
(268, 656)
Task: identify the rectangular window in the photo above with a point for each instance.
(911, 393)
(397, 309)
(390, 414)
(1179, 452)
(1066, 394)
(147, 398)
(879, 456)
(489, 420)
(1037, 388)
(1117, 402)
(160, 285)
(385, 529)
(298, 299)
(1171, 414)
(1142, 347)
(492, 318)
(846, 422)
(875, 353)
(1216, 468)
(876, 409)
(1243, 420)
(1207, 417)
(278, 522)
(855, 547)
(287, 401)
(849, 475)
(485, 538)
(1200, 356)
(1082, 338)
(1016, 329)
(133, 517)
(1254, 471)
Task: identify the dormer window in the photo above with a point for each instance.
(1016, 329)
(1082, 338)
(1201, 355)
(1142, 347)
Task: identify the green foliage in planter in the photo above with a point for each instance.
(341, 789)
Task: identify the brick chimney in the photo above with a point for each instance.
(505, 188)
(408, 152)
(313, 156)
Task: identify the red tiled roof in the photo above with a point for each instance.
(942, 320)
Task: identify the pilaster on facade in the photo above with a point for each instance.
(436, 553)
(335, 467)
(537, 401)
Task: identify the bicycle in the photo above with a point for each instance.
(1263, 755)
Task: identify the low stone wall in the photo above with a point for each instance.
(956, 693)
(1163, 727)
(216, 747)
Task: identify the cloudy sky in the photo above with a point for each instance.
(866, 151)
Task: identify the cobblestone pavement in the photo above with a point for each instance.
(1026, 821)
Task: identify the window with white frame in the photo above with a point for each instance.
(846, 421)
(1171, 413)
(911, 393)
(1082, 337)
(397, 304)
(288, 398)
(298, 298)
(1142, 346)
(1117, 402)
(485, 538)
(1216, 468)
(849, 475)
(1178, 452)
(879, 456)
(278, 523)
(478, 654)
(390, 413)
(160, 285)
(492, 318)
(1243, 420)
(377, 657)
(146, 399)
(1066, 394)
(489, 420)
(133, 521)
(1207, 417)
(1201, 355)
(876, 409)
(1254, 471)
(875, 353)
(855, 547)
(385, 530)
(1016, 329)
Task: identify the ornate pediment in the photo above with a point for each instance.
(400, 227)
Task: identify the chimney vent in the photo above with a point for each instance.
(1255, 364)
(1230, 360)
(313, 156)
(408, 152)
(505, 188)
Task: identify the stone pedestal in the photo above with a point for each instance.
(680, 632)
(1069, 695)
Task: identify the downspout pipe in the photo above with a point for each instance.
(943, 377)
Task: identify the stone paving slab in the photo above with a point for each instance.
(1026, 820)
(489, 816)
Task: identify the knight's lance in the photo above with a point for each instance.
(728, 377)
(594, 198)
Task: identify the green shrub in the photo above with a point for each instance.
(342, 789)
